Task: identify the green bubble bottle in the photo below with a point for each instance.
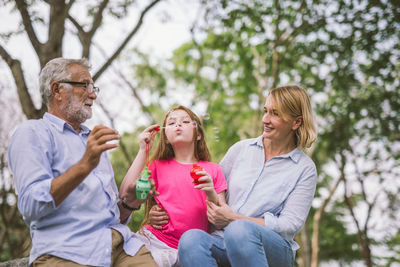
(143, 184)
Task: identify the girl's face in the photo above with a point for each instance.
(180, 128)
(275, 127)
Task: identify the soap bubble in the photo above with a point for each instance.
(216, 133)
(205, 116)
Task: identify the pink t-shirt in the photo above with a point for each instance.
(185, 205)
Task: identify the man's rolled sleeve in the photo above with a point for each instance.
(36, 201)
(29, 161)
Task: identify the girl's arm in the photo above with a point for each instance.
(125, 192)
(208, 187)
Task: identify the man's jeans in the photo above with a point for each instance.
(245, 243)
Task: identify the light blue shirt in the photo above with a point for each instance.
(279, 190)
(79, 229)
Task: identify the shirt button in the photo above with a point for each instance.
(107, 250)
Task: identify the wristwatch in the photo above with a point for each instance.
(125, 206)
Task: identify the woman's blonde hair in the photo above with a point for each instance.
(293, 101)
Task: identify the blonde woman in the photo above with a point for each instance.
(271, 184)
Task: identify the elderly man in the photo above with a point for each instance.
(65, 183)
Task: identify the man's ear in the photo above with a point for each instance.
(297, 123)
(55, 90)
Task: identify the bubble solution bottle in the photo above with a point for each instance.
(196, 168)
(143, 184)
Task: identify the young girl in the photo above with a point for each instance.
(182, 144)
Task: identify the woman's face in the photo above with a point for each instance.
(179, 127)
(275, 128)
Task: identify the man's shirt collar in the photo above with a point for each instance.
(60, 124)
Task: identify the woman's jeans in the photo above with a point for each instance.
(245, 243)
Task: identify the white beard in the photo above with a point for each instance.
(75, 111)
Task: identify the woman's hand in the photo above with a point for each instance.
(220, 216)
(158, 217)
(207, 185)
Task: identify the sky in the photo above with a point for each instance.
(165, 28)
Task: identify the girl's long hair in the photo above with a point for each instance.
(164, 151)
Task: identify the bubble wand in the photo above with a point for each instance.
(143, 184)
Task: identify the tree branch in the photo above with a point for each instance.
(121, 143)
(24, 97)
(125, 42)
(361, 233)
(86, 37)
(23, 10)
(133, 89)
(76, 24)
(371, 204)
(98, 18)
(318, 218)
(136, 95)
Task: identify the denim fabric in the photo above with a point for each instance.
(245, 244)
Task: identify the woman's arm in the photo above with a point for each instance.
(296, 207)
(223, 215)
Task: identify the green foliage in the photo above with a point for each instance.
(336, 243)
(119, 159)
(345, 53)
(394, 246)
(16, 232)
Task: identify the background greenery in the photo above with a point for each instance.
(346, 53)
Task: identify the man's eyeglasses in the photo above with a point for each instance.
(89, 87)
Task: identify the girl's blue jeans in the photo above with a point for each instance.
(245, 243)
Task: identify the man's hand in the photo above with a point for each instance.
(158, 217)
(97, 144)
(130, 195)
(64, 184)
(132, 201)
(220, 216)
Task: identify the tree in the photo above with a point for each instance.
(46, 25)
(346, 53)
(14, 235)
(60, 12)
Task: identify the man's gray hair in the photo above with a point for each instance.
(56, 70)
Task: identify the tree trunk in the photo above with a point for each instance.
(305, 251)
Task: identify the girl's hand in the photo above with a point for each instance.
(147, 136)
(207, 186)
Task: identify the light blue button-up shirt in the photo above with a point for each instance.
(279, 190)
(79, 229)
